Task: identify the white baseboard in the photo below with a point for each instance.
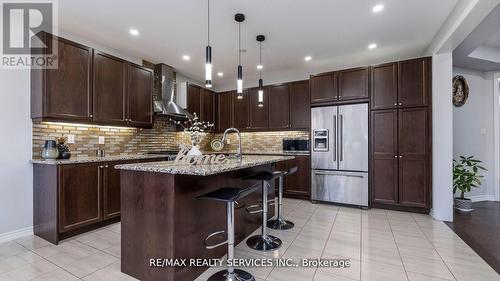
(8, 236)
(477, 198)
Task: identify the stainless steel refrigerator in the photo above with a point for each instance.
(340, 154)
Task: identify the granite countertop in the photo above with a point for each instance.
(278, 153)
(170, 167)
(76, 160)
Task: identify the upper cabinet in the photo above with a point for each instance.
(240, 111)
(207, 112)
(258, 114)
(401, 84)
(414, 82)
(64, 93)
(224, 111)
(384, 86)
(279, 106)
(89, 86)
(353, 83)
(324, 87)
(109, 89)
(140, 95)
(193, 99)
(300, 111)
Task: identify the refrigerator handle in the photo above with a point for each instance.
(341, 142)
(335, 138)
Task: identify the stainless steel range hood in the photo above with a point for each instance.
(165, 88)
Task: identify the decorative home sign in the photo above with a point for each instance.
(183, 158)
(460, 90)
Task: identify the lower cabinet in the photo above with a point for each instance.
(297, 185)
(73, 198)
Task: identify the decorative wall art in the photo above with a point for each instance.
(460, 90)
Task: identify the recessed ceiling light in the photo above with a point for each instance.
(186, 57)
(134, 31)
(307, 58)
(260, 66)
(220, 74)
(372, 46)
(378, 8)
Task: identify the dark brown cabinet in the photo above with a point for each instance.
(193, 99)
(414, 82)
(207, 107)
(279, 106)
(323, 87)
(300, 111)
(80, 188)
(224, 111)
(298, 185)
(64, 93)
(401, 157)
(241, 111)
(93, 87)
(384, 86)
(109, 100)
(353, 83)
(139, 96)
(258, 115)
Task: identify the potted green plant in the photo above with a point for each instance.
(466, 174)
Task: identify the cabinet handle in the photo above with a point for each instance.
(100, 167)
(400, 156)
(395, 156)
(90, 115)
(106, 166)
(395, 104)
(400, 104)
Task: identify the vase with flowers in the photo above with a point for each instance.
(197, 130)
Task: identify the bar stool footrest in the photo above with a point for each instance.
(250, 209)
(209, 247)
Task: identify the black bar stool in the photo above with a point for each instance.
(229, 195)
(263, 242)
(279, 223)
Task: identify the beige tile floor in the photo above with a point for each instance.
(382, 246)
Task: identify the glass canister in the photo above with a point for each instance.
(50, 150)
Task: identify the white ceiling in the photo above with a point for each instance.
(335, 33)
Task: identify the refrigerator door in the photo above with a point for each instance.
(324, 138)
(353, 137)
(340, 187)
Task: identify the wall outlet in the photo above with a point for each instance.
(101, 140)
(71, 138)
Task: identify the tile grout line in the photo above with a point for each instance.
(329, 233)
(397, 247)
(433, 247)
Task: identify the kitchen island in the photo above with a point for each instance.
(162, 219)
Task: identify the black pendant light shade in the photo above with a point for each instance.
(260, 39)
(239, 18)
(208, 53)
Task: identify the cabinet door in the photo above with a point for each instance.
(79, 195)
(413, 160)
(384, 156)
(353, 83)
(240, 111)
(300, 111)
(111, 188)
(258, 114)
(299, 184)
(207, 105)
(140, 96)
(323, 88)
(68, 88)
(279, 106)
(193, 99)
(384, 86)
(414, 82)
(109, 89)
(224, 111)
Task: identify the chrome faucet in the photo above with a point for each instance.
(223, 140)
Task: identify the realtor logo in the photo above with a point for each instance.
(21, 23)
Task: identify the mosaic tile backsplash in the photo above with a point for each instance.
(122, 141)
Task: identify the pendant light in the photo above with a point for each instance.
(260, 39)
(239, 82)
(208, 53)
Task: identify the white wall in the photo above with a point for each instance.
(16, 200)
(442, 137)
(473, 128)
